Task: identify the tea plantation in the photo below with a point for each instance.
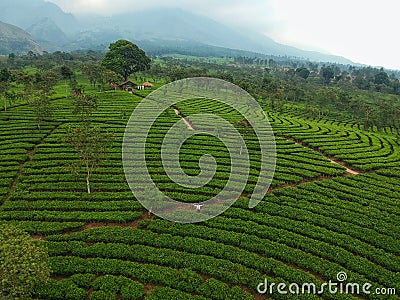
(333, 206)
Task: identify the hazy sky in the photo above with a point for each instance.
(364, 31)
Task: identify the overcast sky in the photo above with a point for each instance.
(365, 31)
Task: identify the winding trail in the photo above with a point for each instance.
(185, 119)
(30, 155)
(349, 171)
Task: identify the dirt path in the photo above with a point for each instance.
(185, 119)
(30, 155)
(349, 171)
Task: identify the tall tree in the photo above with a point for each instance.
(84, 105)
(41, 105)
(66, 74)
(44, 81)
(382, 78)
(270, 89)
(92, 72)
(91, 145)
(303, 72)
(90, 142)
(125, 58)
(38, 88)
(327, 74)
(5, 79)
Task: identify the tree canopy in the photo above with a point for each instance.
(125, 58)
(5, 78)
(23, 263)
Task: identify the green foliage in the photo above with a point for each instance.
(91, 144)
(132, 291)
(300, 234)
(303, 72)
(107, 283)
(125, 58)
(98, 74)
(103, 295)
(327, 74)
(83, 280)
(127, 288)
(5, 78)
(23, 263)
(167, 293)
(66, 72)
(382, 78)
(44, 81)
(215, 289)
(84, 105)
(5, 75)
(40, 102)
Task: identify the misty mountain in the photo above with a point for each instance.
(26, 13)
(178, 25)
(48, 34)
(17, 41)
(57, 30)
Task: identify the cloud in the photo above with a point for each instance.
(235, 13)
(363, 31)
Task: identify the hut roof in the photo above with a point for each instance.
(148, 84)
(128, 82)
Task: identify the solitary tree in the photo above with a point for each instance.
(327, 74)
(92, 72)
(38, 88)
(44, 81)
(271, 90)
(84, 105)
(91, 145)
(303, 72)
(5, 79)
(23, 263)
(125, 58)
(41, 105)
(66, 74)
(90, 142)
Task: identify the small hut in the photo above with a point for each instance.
(128, 86)
(148, 84)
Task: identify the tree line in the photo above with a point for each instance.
(364, 95)
(325, 91)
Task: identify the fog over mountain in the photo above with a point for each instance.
(15, 40)
(56, 30)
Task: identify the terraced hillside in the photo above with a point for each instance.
(318, 219)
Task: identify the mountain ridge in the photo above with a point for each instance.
(180, 25)
(15, 40)
(57, 30)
